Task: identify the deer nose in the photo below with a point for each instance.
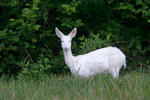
(66, 46)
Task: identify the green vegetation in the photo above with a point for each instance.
(29, 46)
(31, 55)
(130, 86)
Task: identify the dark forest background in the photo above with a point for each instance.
(29, 46)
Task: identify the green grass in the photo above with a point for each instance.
(130, 86)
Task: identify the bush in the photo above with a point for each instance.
(28, 44)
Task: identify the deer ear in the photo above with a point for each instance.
(58, 33)
(73, 32)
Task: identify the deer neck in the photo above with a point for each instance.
(69, 58)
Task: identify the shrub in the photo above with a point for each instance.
(28, 44)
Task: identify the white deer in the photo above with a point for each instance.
(108, 59)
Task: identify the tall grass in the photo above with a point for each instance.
(130, 86)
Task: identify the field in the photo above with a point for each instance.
(129, 86)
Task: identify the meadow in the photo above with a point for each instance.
(31, 53)
(133, 85)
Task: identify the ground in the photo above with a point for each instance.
(129, 86)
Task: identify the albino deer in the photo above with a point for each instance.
(108, 59)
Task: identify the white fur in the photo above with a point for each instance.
(108, 59)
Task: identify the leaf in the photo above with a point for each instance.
(138, 45)
(139, 2)
(11, 19)
(26, 45)
(148, 20)
(34, 40)
(78, 23)
(33, 47)
(36, 27)
(14, 39)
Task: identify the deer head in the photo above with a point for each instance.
(66, 39)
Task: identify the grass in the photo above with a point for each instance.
(130, 86)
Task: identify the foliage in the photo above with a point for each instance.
(93, 42)
(28, 44)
